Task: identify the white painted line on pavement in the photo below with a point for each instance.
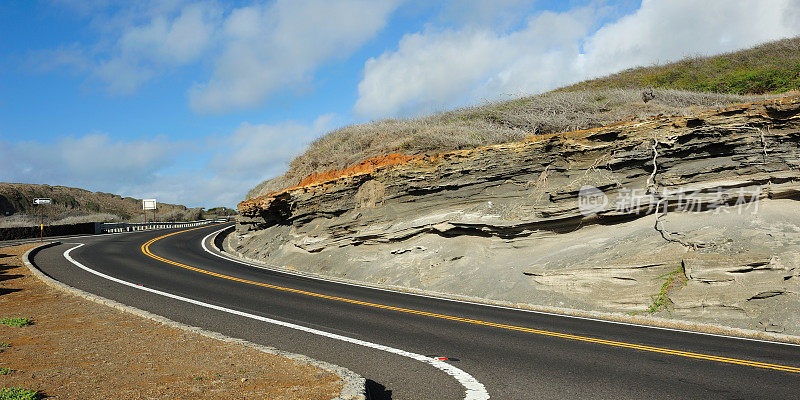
(607, 321)
(474, 390)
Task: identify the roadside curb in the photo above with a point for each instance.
(700, 328)
(353, 385)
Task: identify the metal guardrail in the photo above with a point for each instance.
(118, 227)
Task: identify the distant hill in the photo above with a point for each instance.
(772, 67)
(72, 205)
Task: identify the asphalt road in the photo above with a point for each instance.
(515, 354)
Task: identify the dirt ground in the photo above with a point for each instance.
(77, 349)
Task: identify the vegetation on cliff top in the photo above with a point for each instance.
(772, 67)
(681, 88)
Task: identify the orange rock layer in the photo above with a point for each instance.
(373, 164)
(364, 167)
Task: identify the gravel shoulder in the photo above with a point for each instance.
(79, 349)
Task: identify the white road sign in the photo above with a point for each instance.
(42, 200)
(149, 204)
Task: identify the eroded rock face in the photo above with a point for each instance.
(573, 220)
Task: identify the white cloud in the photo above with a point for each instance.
(172, 42)
(164, 41)
(90, 160)
(435, 69)
(662, 31)
(277, 46)
(253, 51)
(263, 151)
(237, 162)
(428, 69)
(240, 161)
(190, 189)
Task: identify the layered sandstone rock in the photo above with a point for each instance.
(597, 219)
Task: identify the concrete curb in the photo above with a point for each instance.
(353, 385)
(638, 320)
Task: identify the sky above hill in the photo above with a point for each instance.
(196, 102)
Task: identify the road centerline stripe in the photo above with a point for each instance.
(726, 360)
(473, 389)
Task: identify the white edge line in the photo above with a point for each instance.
(205, 239)
(474, 389)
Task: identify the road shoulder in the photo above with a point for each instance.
(78, 347)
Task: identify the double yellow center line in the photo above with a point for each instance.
(699, 356)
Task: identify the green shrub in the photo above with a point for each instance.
(18, 322)
(18, 393)
(772, 67)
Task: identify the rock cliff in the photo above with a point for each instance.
(694, 217)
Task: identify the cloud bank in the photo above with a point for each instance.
(270, 47)
(252, 51)
(233, 163)
(440, 68)
(165, 41)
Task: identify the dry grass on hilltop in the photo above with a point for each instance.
(680, 88)
(489, 124)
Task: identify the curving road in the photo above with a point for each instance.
(394, 339)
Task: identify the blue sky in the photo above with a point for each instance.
(195, 102)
